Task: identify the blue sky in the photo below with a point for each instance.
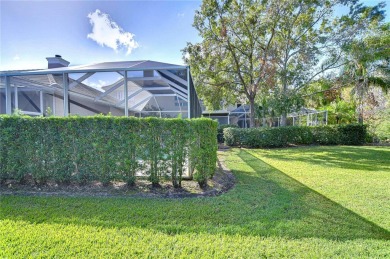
(86, 32)
(34, 30)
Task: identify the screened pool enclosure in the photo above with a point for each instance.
(128, 88)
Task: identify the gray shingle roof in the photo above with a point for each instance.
(105, 66)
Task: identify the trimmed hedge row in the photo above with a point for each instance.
(352, 134)
(101, 148)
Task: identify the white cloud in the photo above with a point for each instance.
(108, 33)
(180, 15)
(97, 84)
(16, 57)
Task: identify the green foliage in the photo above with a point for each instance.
(321, 93)
(279, 103)
(252, 48)
(105, 149)
(48, 112)
(353, 134)
(17, 112)
(380, 127)
(367, 63)
(311, 202)
(341, 111)
(178, 152)
(203, 149)
(220, 131)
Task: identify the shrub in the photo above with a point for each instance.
(380, 126)
(353, 134)
(102, 148)
(326, 135)
(220, 129)
(231, 136)
(203, 149)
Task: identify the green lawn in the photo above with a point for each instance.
(303, 202)
(358, 178)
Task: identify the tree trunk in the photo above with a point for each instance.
(283, 116)
(283, 119)
(252, 113)
(360, 119)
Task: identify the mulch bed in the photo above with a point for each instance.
(222, 181)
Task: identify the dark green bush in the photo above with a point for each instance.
(203, 149)
(220, 131)
(83, 149)
(326, 135)
(353, 134)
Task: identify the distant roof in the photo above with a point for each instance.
(242, 109)
(303, 111)
(101, 67)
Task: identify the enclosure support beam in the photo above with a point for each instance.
(8, 106)
(175, 77)
(326, 117)
(16, 97)
(189, 93)
(113, 88)
(141, 102)
(126, 93)
(66, 94)
(81, 79)
(130, 96)
(158, 106)
(174, 89)
(54, 104)
(41, 102)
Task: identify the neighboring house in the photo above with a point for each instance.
(239, 115)
(231, 114)
(152, 89)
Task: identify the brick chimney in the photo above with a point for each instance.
(57, 61)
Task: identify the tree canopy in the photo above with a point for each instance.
(251, 48)
(367, 63)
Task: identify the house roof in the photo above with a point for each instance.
(99, 67)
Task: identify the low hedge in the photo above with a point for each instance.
(102, 148)
(220, 131)
(353, 134)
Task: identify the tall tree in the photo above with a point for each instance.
(253, 47)
(235, 58)
(368, 63)
(309, 41)
(307, 46)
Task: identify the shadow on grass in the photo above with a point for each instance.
(265, 202)
(369, 159)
